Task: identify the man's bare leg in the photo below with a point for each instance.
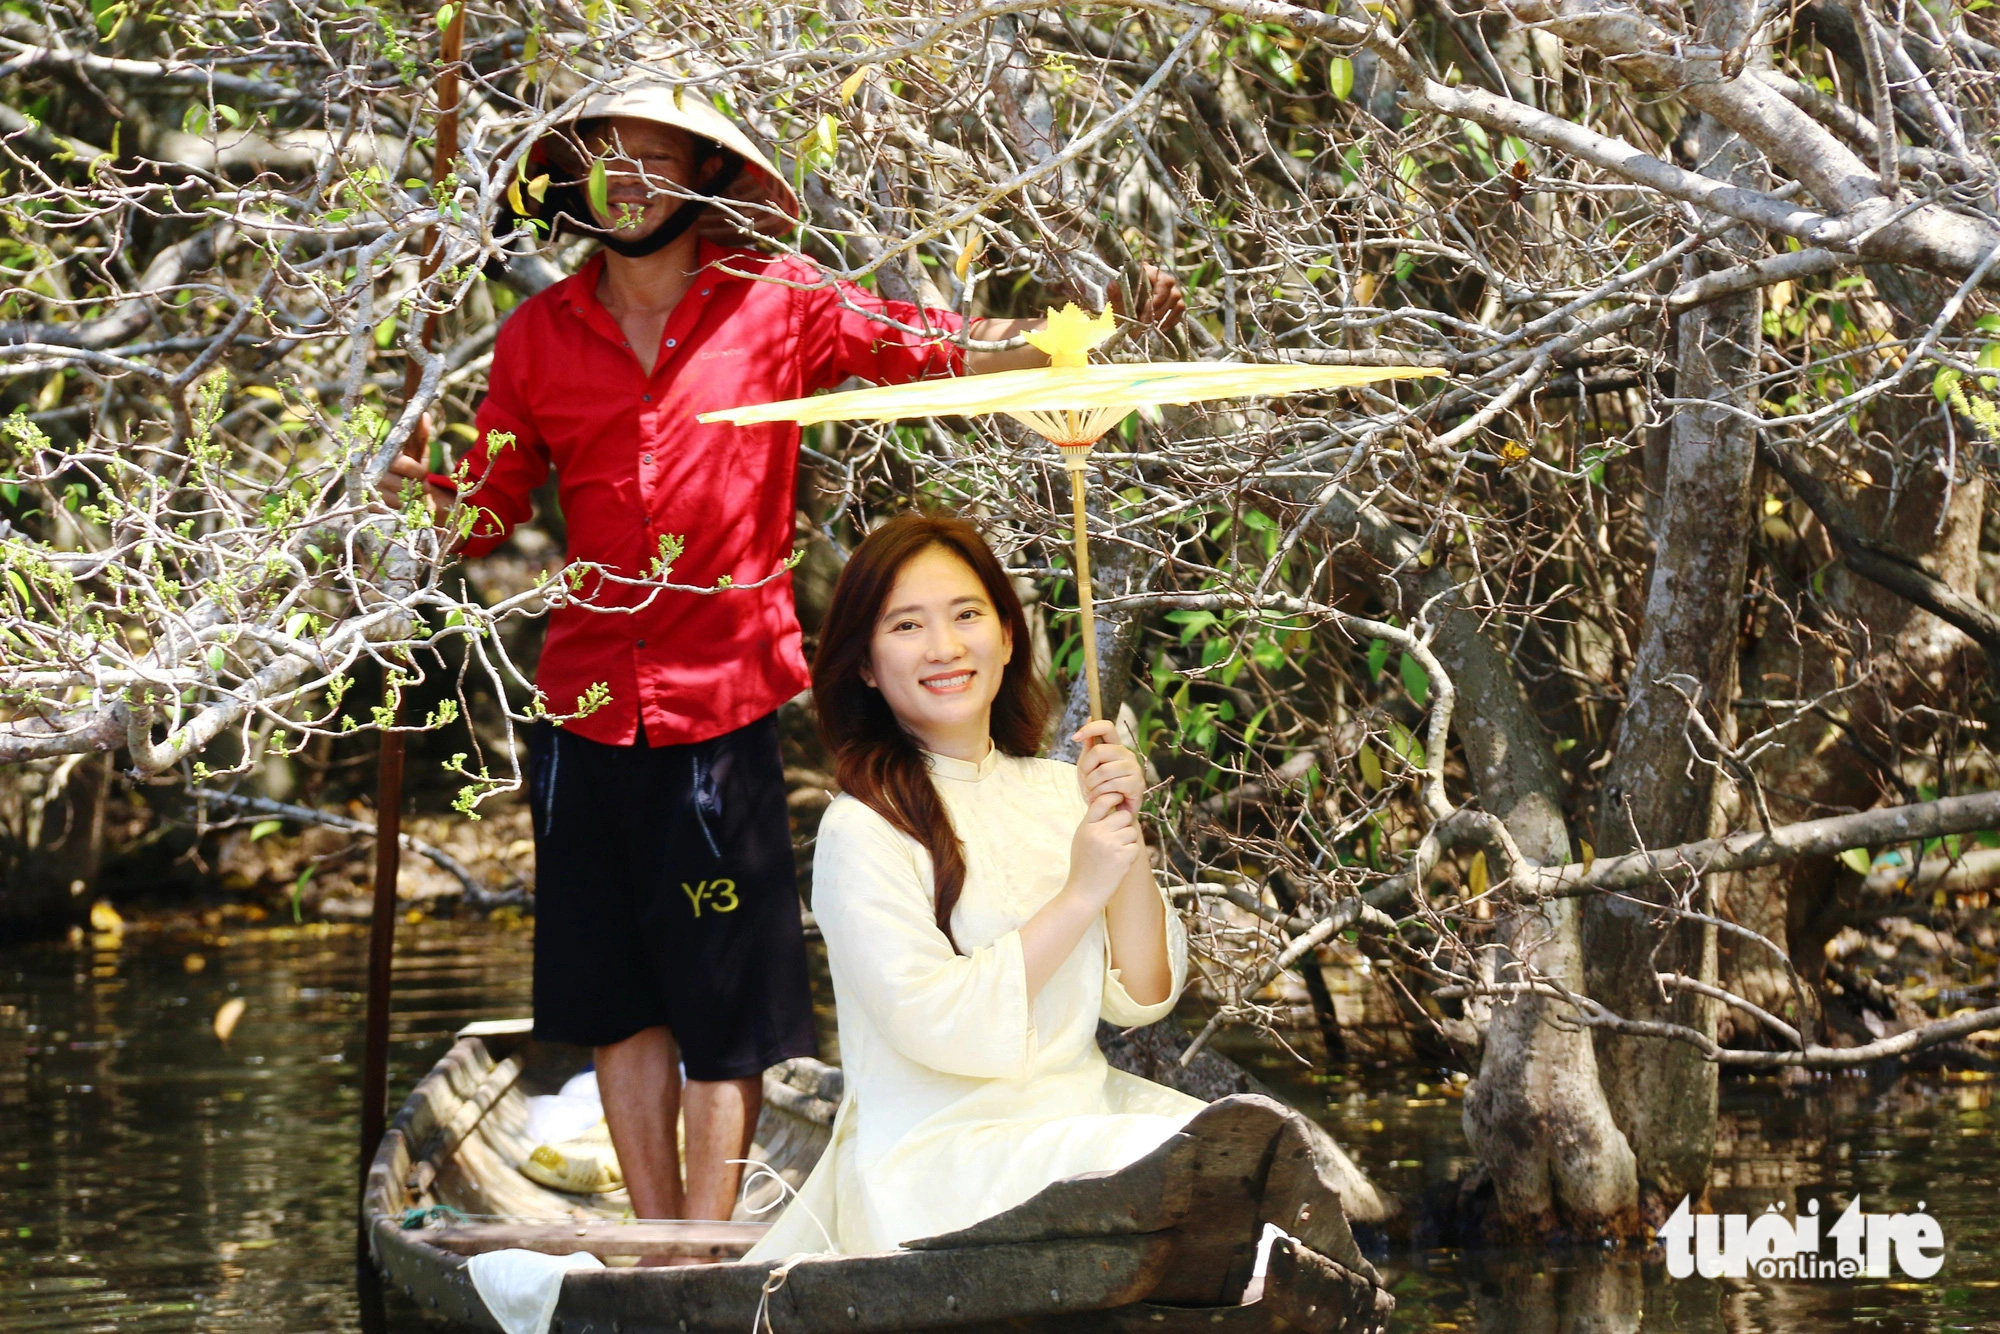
(721, 1116)
(640, 1082)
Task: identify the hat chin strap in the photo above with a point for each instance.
(676, 223)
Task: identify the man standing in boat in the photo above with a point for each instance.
(667, 912)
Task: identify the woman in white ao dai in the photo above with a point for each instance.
(973, 1075)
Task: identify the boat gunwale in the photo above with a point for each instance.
(433, 1274)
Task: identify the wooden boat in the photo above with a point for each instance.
(1167, 1244)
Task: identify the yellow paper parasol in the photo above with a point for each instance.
(1070, 403)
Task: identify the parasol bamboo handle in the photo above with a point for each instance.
(1075, 464)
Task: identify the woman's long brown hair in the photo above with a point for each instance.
(875, 760)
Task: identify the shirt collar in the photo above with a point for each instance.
(719, 263)
(963, 771)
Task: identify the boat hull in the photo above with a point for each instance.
(1164, 1245)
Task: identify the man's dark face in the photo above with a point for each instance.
(648, 169)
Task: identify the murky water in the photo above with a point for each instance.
(1923, 1140)
(156, 1178)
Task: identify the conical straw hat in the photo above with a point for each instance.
(647, 94)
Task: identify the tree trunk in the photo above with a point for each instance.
(1536, 1116)
(1903, 656)
(1657, 791)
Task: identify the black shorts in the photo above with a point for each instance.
(665, 895)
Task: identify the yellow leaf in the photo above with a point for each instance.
(514, 198)
(1512, 452)
(1781, 295)
(226, 1018)
(1476, 877)
(1773, 505)
(852, 85)
(1589, 855)
(538, 187)
(51, 394)
(104, 917)
(1371, 766)
(1069, 334)
(967, 255)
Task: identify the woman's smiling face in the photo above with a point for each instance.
(938, 653)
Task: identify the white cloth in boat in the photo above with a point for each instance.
(521, 1288)
(964, 1097)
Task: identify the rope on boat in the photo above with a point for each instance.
(786, 1191)
(417, 1217)
(773, 1281)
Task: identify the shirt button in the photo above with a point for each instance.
(704, 291)
(645, 458)
(671, 342)
(642, 643)
(645, 398)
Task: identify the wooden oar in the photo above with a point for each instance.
(389, 772)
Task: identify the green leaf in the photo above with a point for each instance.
(195, 120)
(445, 15)
(599, 188)
(1415, 680)
(298, 886)
(1989, 359)
(1340, 77)
(264, 829)
(216, 658)
(1857, 860)
(11, 492)
(1192, 623)
(1404, 742)
(1371, 766)
(1378, 657)
(230, 114)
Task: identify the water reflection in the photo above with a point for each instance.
(154, 1178)
(1922, 1140)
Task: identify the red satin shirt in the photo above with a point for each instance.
(632, 465)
